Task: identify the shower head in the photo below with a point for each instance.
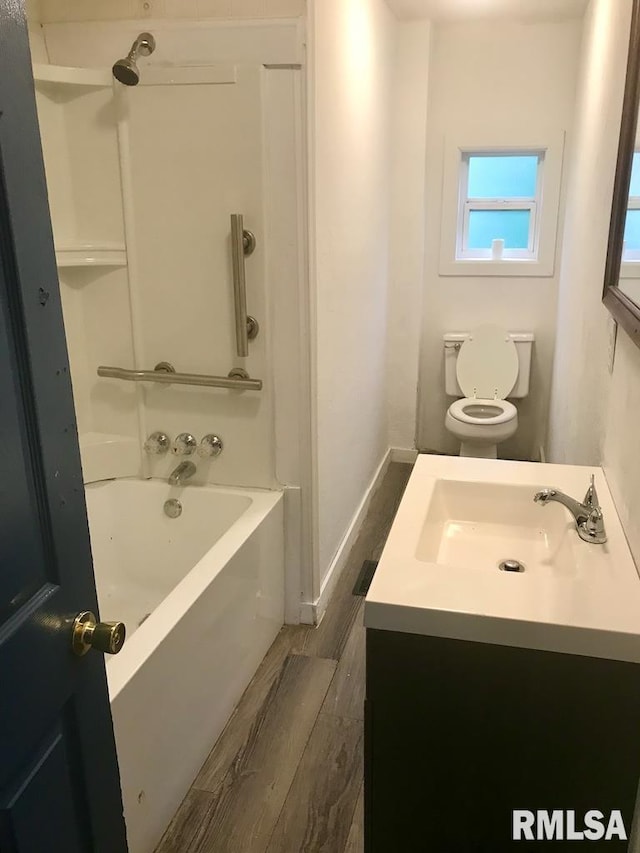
(126, 70)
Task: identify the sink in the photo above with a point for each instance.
(485, 525)
(462, 520)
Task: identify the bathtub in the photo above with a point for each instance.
(202, 596)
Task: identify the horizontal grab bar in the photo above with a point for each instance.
(165, 378)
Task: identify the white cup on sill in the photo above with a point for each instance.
(497, 248)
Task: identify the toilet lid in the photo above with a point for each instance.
(487, 364)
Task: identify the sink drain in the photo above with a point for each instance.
(511, 566)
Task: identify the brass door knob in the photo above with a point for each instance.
(87, 633)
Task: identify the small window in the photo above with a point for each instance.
(500, 202)
(631, 245)
(498, 217)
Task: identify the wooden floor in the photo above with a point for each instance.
(286, 774)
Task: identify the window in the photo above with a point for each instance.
(631, 245)
(499, 205)
(500, 201)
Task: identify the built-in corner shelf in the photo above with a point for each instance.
(106, 456)
(92, 255)
(68, 76)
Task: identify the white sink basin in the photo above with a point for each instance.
(460, 519)
(481, 525)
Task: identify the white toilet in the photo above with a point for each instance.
(484, 367)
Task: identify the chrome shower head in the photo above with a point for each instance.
(126, 70)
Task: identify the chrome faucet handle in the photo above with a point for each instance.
(184, 444)
(595, 520)
(157, 444)
(591, 498)
(594, 527)
(210, 446)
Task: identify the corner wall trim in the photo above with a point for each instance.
(311, 613)
(403, 454)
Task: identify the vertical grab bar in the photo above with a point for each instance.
(239, 284)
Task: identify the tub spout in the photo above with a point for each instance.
(182, 473)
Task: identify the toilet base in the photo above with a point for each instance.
(479, 451)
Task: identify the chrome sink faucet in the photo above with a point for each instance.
(588, 514)
(182, 473)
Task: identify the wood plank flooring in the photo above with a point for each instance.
(286, 774)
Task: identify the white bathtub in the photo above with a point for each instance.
(202, 597)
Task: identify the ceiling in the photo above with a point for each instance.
(468, 10)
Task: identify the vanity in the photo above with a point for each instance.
(503, 662)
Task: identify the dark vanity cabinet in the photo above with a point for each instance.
(459, 734)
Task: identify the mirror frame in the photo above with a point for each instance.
(623, 309)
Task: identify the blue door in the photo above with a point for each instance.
(59, 784)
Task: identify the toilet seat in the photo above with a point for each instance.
(487, 365)
(472, 410)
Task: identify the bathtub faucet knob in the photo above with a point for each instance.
(157, 444)
(184, 444)
(210, 446)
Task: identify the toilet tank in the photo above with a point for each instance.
(454, 340)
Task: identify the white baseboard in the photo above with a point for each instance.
(312, 613)
(403, 454)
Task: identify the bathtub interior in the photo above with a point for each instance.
(140, 554)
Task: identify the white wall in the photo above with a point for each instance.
(578, 402)
(594, 415)
(408, 225)
(353, 45)
(621, 460)
(496, 77)
(110, 10)
(34, 13)
(36, 34)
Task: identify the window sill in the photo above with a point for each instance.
(508, 268)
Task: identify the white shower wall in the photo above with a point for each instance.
(78, 129)
(109, 10)
(190, 156)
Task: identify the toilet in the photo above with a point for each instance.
(484, 367)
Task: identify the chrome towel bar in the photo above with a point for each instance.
(167, 377)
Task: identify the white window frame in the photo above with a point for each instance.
(468, 204)
(539, 257)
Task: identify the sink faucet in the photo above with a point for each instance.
(183, 472)
(588, 514)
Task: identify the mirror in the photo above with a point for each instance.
(622, 271)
